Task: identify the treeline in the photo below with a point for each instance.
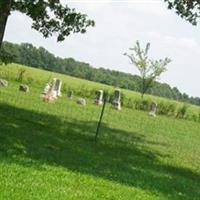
(29, 55)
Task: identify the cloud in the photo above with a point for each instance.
(176, 42)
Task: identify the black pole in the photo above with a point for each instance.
(101, 116)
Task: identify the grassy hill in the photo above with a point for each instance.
(47, 151)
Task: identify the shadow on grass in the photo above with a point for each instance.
(117, 156)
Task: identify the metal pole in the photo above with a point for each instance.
(100, 119)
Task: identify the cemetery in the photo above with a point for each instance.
(79, 122)
(61, 138)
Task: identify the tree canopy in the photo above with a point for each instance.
(187, 9)
(49, 17)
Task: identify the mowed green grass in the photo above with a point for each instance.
(47, 151)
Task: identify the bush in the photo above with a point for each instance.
(20, 75)
(142, 104)
(182, 112)
(29, 80)
(165, 108)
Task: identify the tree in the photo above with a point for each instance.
(187, 9)
(49, 17)
(149, 69)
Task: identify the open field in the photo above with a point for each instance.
(47, 151)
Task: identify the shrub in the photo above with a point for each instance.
(142, 104)
(182, 111)
(194, 117)
(165, 108)
(129, 103)
(20, 75)
(29, 80)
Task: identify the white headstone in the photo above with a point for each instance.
(56, 87)
(99, 97)
(52, 90)
(117, 99)
(153, 109)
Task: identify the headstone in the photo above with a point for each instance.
(46, 89)
(23, 88)
(99, 97)
(153, 109)
(81, 101)
(56, 87)
(70, 94)
(52, 90)
(3, 83)
(117, 99)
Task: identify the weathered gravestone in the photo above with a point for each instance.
(81, 101)
(46, 89)
(153, 109)
(117, 99)
(56, 87)
(52, 90)
(99, 97)
(3, 83)
(23, 88)
(70, 94)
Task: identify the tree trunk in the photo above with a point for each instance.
(5, 6)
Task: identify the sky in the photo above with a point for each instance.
(118, 25)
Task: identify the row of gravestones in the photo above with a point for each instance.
(22, 87)
(52, 91)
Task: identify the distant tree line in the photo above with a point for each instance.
(29, 55)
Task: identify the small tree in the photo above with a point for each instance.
(149, 69)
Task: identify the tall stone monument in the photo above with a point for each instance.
(56, 87)
(117, 99)
(99, 97)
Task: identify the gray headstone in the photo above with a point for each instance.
(23, 88)
(153, 109)
(81, 101)
(3, 83)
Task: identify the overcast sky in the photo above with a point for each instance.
(118, 25)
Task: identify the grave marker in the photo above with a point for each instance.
(117, 99)
(99, 97)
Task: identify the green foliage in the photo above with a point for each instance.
(149, 69)
(51, 17)
(21, 74)
(142, 104)
(166, 108)
(5, 56)
(189, 10)
(182, 111)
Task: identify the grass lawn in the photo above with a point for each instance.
(47, 151)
